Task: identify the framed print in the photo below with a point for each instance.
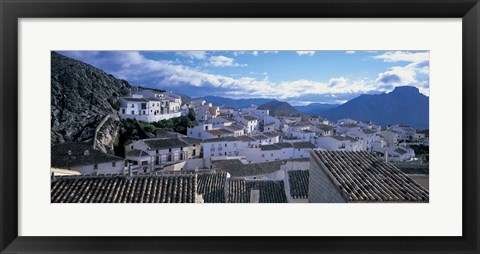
(226, 126)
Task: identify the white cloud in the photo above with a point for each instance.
(255, 53)
(405, 56)
(137, 69)
(197, 54)
(222, 61)
(350, 51)
(305, 52)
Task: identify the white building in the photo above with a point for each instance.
(150, 106)
(83, 158)
(338, 143)
(225, 146)
(390, 137)
(278, 151)
(250, 122)
(259, 112)
(207, 131)
(315, 120)
(152, 154)
(397, 153)
(365, 137)
(405, 132)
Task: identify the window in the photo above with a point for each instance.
(169, 150)
(271, 155)
(263, 155)
(132, 112)
(157, 151)
(144, 105)
(123, 111)
(131, 147)
(114, 164)
(132, 105)
(95, 167)
(225, 144)
(144, 162)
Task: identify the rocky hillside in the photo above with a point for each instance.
(81, 97)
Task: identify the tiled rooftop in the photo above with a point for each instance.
(137, 153)
(270, 191)
(362, 177)
(237, 169)
(219, 132)
(250, 118)
(212, 186)
(162, 143)
(60, 158)
(343, 138)
(299, 145)
(121, 189)
(276, 146)
(298, 181)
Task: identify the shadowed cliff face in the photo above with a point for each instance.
(81, 96)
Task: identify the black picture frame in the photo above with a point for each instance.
(11, 11)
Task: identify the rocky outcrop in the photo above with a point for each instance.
(81, 97)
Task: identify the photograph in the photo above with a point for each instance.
(240, 126)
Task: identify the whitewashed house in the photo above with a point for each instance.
(397, 153)
(346, 128)
(405, 132)
(229, 111)
(250, 122)
(149, 106)
(390, 137)
(254, 110)
(346, 121)
(365, 137)
(83, 158)
(278, 151)
(338, 143)
(323, 130)
(207, 131)
(316, 120)
(225, 146)
(148, 155)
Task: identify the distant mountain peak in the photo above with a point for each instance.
(405, 89)
(404, 105)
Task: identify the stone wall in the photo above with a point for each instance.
(321, 188)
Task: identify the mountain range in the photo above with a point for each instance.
(404, 105)
(238, 103)
(315, 108)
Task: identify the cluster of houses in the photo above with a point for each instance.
(255, 151)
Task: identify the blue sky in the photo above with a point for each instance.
(298, 77)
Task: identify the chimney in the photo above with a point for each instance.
(386, 156)
(130, 173)
(254, 196)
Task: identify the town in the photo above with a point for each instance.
(244, 155)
